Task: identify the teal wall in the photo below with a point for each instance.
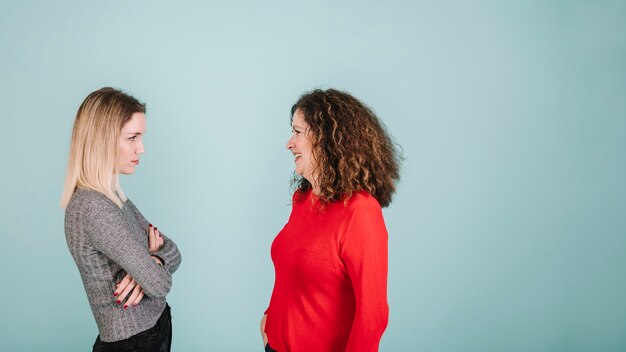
(508, 231)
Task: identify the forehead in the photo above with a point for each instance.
(137, 123)
(298, 119)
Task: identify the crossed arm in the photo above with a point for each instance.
(149, 270)
(128, 290)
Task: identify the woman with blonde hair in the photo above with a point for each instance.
(126, 263)
(330, 259)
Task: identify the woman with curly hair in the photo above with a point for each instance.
(330, 259)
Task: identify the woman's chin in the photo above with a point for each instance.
(127, 172)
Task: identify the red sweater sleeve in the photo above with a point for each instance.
(364, 252)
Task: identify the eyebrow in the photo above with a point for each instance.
(297, 126)
(133, 133)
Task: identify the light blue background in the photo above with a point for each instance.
(508, 231)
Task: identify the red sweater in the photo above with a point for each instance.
(330, 292)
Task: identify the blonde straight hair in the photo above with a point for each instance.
(93, 149)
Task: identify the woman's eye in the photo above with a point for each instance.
(132, 138)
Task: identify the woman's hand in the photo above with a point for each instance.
(128, 288)
(157, 260)
(155, 240)
(263, 334)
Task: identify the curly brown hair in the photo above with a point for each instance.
(351, 146)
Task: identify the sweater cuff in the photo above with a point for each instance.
(169, 256)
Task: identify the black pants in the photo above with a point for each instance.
(155, 339)
(268, 348)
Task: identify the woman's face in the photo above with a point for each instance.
(130, 144)
(301, 147)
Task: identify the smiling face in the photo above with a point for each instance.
(130, 144)
(301, 147)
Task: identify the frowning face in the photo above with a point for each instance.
(130, 144)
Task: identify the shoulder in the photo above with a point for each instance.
(363, 219)
(363, 201)
(359, 205)
(90, 202)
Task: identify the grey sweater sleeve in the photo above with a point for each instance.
(169, 253)
(110, 233)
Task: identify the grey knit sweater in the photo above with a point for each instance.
(107, 242)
